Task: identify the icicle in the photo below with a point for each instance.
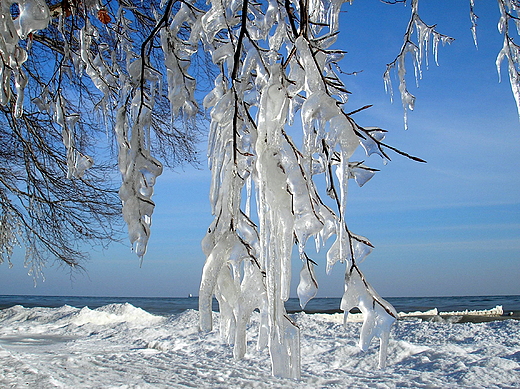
(388, 82)
(276, 228)
(511, 51)
(77, 163)
(473, 17)
(20, 56)
(139, 172)
(378, 314)
(333, 16)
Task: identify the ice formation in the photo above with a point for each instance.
(509, 13)
(253, 106)
(277, 71)
(33, 15)
(418, 50)
(263, 194)
(128, 90)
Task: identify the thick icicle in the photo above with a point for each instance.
(276, 228)
(139, 172)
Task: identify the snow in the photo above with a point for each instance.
(121, 346)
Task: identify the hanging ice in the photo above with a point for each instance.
(139, 171)
(419, 53)
(256, 95)
(308, 286)
(33, 15)
(510, 50)
(378, 314)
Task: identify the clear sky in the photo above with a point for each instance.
(448, 227)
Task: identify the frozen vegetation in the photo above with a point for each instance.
(278, 128)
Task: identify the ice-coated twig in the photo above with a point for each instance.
(418, 50)
(510, 50)
(473, 18)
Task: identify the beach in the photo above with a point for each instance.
(122, 346)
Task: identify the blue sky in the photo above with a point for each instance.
(448, 227)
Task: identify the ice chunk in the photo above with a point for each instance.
(361, 173)
(361, 247)
(34, 15)
(308, 286)
(370, 140)
(334, 254)
(83, 163)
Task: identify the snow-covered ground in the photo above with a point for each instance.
(120, 346)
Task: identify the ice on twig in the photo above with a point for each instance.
(378, 314)
(418, 50)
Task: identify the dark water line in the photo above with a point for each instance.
(168, 306)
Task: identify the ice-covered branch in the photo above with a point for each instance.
(418, 50)
(509, 12)
(121, 66)
(473, 18)
(257, 95)
(274, 71)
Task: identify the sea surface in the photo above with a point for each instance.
(166, 306)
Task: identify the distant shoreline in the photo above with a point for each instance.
(165, 306)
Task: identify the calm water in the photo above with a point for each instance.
(168, 306)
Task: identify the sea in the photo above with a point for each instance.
(165, 306)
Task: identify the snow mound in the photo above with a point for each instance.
(115, 313)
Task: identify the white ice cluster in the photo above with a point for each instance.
(33, 15)
(254, 161)
(129, 90)
(104, 64)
